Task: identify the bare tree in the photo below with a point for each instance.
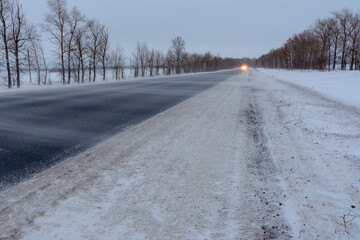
(319, 46)
(134, 64)
(195, 60)
(75, 69)
(90, 69)
(354, 37)
(186, 63)
(159, 61)
(80, 51)
(343, 17)
(139, 58)
(321, 29)
(334, 33)
(151, 61)
(142, 50)
(20, 35)
(56, 20)
(289, 52)
(169, 62)
(178, 47)
(118, 62)
(357, 55)
(104, 49)
(94, 41)
(73, 21)
(29, 63)
(35, 52)
(44, 64)
(5, 17)
(37, 59)
(206, 61)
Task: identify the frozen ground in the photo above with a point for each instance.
(251, 158)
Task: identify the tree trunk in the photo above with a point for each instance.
(17, 62)
(62, 59)
(69, 66)
(357, 58)
(104, 68)
(329, 57)
(94, 67)
(116, 73)
(343, 67)
(45, 67)
(7, 62)
(82, 70)
(38, 71)
(157, 70)
(90, 70)
(352, 57)
(29, 63)
(352, 61)
(335, 54)
(78, 72)
(6, 46)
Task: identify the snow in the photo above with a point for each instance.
(55, 81)
(316, 146)
(250, 158)
(147, 181)
(342, 86)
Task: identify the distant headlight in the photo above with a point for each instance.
(244, 67)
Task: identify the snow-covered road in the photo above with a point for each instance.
(251, 158)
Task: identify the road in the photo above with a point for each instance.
(250, 158)
(41, 128)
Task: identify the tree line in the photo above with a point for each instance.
(176, 60)
(330, 43)
(83, 49)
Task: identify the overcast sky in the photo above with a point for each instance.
(230, 28)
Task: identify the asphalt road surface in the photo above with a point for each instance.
(41, 128)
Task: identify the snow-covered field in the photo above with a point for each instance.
(54, 81)
(343, 86)
(251, 158)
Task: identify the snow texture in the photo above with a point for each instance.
(55, 81)
(251, 158)
(342, 86)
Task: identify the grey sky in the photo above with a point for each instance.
(230, 28)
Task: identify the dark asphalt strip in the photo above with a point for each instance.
(41, 128)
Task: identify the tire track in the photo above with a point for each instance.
(263, 207)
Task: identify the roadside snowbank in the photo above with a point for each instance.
(315, 143)
(343, 86)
